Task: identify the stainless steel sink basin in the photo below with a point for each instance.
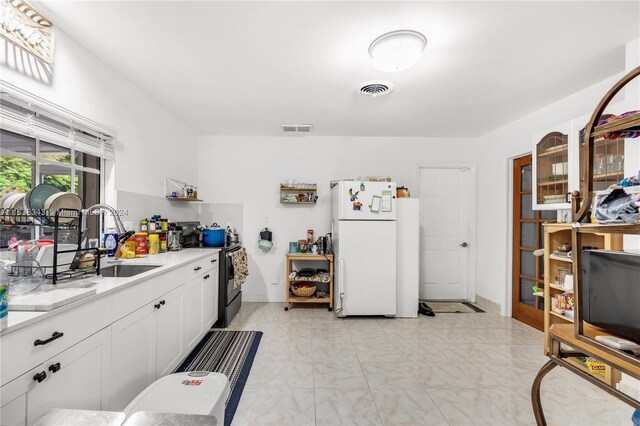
(122, 271)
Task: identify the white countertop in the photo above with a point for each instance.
(108, 285)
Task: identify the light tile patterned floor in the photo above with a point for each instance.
(457, 369)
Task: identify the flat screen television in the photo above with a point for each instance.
(611, 291)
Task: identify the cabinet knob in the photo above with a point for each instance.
(206, 277)
(214, 260)
(40, 377)
(197, 268)
(157, 306)
(54, 368)
(162, 302)
(54, 336)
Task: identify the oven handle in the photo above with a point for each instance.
(230, 269)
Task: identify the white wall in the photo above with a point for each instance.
(495, 149)
(248, 171)
(152, 143)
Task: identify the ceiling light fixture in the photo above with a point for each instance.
(397, 50)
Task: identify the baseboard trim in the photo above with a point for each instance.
(488, 305)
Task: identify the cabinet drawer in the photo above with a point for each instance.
(144, 292)
(28, 347)
(200, 266)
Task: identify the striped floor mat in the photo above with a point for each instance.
(230, 353)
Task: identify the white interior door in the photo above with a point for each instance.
(444, 219)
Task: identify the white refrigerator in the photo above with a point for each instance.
(408, 255)
(364, 244)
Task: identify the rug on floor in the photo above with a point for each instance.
(230, 353)
(453, 307)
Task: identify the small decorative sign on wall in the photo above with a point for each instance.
(26, 28)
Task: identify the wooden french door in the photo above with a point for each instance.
(528, 236)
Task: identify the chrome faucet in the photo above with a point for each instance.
(114, 212)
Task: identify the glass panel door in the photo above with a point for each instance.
(528, 270)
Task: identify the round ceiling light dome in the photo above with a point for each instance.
(397, 50)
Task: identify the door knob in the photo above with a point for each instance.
(464, 244)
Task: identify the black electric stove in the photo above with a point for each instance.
(229, 298)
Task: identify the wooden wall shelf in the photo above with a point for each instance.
(185, 199)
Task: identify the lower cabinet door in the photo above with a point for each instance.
(210, 298)
(14, 396)
(77, 378)
(170, 341)
(133, 355)
(192, 313)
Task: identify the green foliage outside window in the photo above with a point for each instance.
(15, 172)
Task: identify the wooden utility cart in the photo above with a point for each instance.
(290, 297)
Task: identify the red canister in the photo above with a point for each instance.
(140, 239)
(310, 236)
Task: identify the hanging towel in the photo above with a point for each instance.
(240, 267)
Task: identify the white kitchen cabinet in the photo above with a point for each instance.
(146, 345)
(210, 298)
(27, 347)
(77, 378)
(133, 355)
(193, 317)
(169, 332)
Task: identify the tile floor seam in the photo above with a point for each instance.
(436, 405)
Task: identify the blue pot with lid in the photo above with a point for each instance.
(214, 236)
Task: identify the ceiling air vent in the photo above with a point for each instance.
(376, 88)
(302, 128)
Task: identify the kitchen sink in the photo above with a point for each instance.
(122, 271)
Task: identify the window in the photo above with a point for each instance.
(41, 142)
(27, 161)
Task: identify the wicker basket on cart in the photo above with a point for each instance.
(303, 290)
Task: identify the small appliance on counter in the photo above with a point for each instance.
(191, 234)
(173, 237)
(232, 236)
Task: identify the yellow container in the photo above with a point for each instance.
(154, 244)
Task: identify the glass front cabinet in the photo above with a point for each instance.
(558, 155)
(608, 156)
(554, 168)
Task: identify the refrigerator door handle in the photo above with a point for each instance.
(341, 285)
(341, 278)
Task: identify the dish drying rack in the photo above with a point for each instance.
(63, 220)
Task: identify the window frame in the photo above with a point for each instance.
(73, 168)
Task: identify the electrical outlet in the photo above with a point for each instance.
(275, 279)
(265, 219)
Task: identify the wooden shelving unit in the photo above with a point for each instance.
(556, 234)
(580, 336)
(290, 297)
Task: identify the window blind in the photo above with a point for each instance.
(28, 115)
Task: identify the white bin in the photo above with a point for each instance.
(197, 392)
